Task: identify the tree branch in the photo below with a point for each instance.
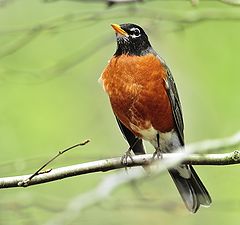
(186, 156)
(113, 181)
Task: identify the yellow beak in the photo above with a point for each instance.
(119, 30)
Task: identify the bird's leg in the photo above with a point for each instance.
(157, 153)
(127, 154)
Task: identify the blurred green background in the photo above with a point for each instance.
(51, 56)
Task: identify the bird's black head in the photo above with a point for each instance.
(131, 40)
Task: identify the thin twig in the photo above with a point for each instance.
(26, 181)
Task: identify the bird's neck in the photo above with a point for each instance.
(133, 49)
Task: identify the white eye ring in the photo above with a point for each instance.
(135, 30)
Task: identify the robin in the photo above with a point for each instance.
(146, 104)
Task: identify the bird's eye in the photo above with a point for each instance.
(135, 32)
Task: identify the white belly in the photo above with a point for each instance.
(168, 141)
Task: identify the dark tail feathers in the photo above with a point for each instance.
(191, 189)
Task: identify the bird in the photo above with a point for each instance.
(145, 101)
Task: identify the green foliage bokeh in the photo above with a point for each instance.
(51, 57)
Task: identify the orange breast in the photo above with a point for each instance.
(136, 88)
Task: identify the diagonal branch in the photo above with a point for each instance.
(171, 159)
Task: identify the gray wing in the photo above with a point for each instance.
(175, 104)
(138, 149)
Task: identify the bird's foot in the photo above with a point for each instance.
(157, 154)
(124, 159)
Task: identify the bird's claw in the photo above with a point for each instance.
(157, 154)
(124, 159)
